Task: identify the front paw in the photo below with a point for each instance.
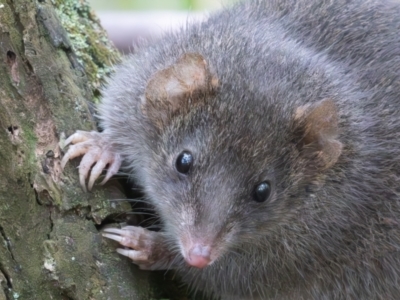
(147, 248)
(96, 151)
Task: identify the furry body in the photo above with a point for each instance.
(330, 228)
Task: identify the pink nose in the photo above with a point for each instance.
(198, 256)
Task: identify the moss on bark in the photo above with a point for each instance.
(54, 56)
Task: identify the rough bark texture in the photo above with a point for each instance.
(54, 56)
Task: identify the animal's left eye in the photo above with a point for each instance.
(262, 191)
(184, 162)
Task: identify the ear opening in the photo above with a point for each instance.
(185, 83)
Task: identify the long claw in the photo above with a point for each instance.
(114, 237)
(82, 181)
(146, 247)
(74, 151)
(97, 151)
(70, 139)
(135, 255)
(113, 230)
(126, 237)
(122, 239)
(96, 172)
(131, 228)
(64, 160)
(84, 167)
(78, 137)
(112, 168)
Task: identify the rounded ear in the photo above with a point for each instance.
(182, 84)
(318, 126)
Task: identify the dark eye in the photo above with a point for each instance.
(262, 191)
(184, 162)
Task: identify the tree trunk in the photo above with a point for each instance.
(54, 56)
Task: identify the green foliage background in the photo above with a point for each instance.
(158, 4)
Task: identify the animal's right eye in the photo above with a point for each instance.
(262, 191)
(184, 162)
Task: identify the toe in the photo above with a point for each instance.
(136, 256)
(96, 172)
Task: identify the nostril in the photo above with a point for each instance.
(199, 256)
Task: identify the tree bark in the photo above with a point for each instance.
(54, 57)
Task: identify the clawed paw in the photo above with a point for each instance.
(140, 242)
(97, 154)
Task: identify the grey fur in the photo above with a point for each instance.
(325, 233)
